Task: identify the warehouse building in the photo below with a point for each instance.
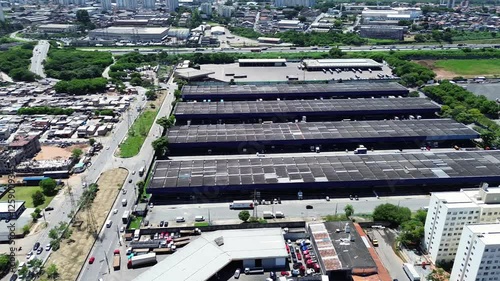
(386, 173)
(261, 62)
(343, 64)
(291, 91)
(313, 110)
(311, 136)
(133, 34)
(269, 40)
(205, 256)
(56, 28)
(382, 32)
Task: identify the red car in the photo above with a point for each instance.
(299, 256)
(91, 260)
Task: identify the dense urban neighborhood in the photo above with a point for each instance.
(191, 140)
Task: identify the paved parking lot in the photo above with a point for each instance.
(281, 73)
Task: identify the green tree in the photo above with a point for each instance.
(26, 229)
(421, 216)
(4, 263)
(336, 53)
(302, 19)
(414, 94)
(38, 198)
(151, 95)
(82, 16)
(438, 274)
(160, 146)
(48, 186)
(412, 232)
(76, 153)
(391, 213)
(349, 210)
(140, 187)
(91, 142)
(166, 122)
(52, 271)
(23, 271)
(244, 216)
(55, 244)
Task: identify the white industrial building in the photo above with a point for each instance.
(392, 14)
(218, 30)
(56, 28)
(212, 251)
(290, 25)
(294, 3)
(449, 212)
(478, 254)
(133, 34)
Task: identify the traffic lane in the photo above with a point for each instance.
(390, 260)
(291, 209)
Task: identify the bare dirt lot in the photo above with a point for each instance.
(50, 152)
(72, 255)
(440, 72)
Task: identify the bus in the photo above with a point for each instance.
(141, 171)
(256, 50)
(411, 272)
(125, 217)
(64, 174)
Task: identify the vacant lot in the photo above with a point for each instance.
(24, 193)
(466, 68)
(73, 252)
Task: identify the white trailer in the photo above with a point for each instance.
(248, 204)
(411, 272)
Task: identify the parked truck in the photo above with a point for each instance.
(162, 251)
(116, 259)
(141, 260)
(185, 232)
(181, 239)
(242, 204)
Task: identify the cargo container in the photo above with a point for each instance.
(116, 259)
(146, 259)
(241, 205)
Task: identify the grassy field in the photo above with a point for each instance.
(24, 193)
(471, 67)
(136, 223)
(137, 134)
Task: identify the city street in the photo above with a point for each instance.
(109, 238)
(220, 213)
(39, 54)
(390, 260)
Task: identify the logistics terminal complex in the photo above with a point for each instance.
(313, 139)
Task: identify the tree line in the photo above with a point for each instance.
(44, 110)
(81, 86)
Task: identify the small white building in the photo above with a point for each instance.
(478, 253)
(449, 212)
(212, 251)
(218, 30)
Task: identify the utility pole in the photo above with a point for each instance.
(107, 262)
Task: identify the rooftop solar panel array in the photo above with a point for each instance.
(305, 106)
(317, 168)
(442, 129)
(214, 90)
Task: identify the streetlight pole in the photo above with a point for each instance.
(107, 262)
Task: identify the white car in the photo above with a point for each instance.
(133, 172)
(28, 255)
(115, 211)
(48, 247)
(122, 229)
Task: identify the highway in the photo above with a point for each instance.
(39, 54)
(282, 49)
(109, 238)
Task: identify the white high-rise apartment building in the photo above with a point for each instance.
(449, 212)
(106, 5)
(2, 15)
(149, 4)
(172, 5)
(478, 254)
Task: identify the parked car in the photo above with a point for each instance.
(161, 223)
(13, 277)
(237, 273)
(35, 247)
(91, 260)
(309, 207)
(48, 247)
(39, 251)
(48, 209)
(180, 219)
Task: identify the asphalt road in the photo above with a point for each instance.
(390, 260)
(220, 213)
(109, 238)
(148, 50)
(39, 54)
